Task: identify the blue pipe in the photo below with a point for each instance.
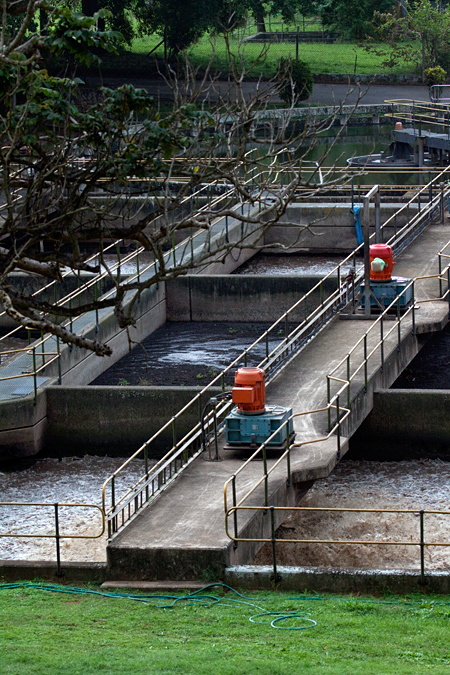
(359, 234)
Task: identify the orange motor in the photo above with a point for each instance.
(378, 271)
(249, 391)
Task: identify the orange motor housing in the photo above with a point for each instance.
(249, 391)
(383, 251)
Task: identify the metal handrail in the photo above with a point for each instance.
(273, 538)
(144, 491)
(57, 536)
(378, 322)
(342, 414)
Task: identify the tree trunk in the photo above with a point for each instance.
(260, 25)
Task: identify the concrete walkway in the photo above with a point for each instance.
(182, 535)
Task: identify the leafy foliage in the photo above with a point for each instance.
(421, 37)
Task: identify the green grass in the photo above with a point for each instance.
(337, 58)
(46, 633)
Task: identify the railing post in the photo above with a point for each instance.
(448, 281)
(338, 419)
(34, 375)
(138, 271)
(276, 578)
(413, 309)
(113, 502)
(57, 540)
(96, 309)
(146, 472)
(235, 511)
(266, 477)
(382, 342)
(174, 432)
(348, 380)
(422, 549)
(440, 272)
(328, 402)
(365, 364)
(288, 458)
(58, 356)
(399, 326)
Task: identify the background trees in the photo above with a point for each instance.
(420, 35)
(352, 18)
(75, 178)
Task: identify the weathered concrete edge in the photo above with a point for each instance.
(29, 570)
(331, 580)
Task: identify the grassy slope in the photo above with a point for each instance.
(43, 633)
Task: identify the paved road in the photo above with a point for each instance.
(323, 94)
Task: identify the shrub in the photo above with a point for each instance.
(295, 80)
(435, 75)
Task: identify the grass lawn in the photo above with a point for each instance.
(323, 58)
(44, 633)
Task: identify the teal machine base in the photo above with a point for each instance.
(386, 292)
(245, 429)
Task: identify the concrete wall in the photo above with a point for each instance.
(23, 426)
(115, 420)
(28, 283)
(407, 422)
(328, 228)
(242, 298)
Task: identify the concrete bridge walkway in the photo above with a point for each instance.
(182, 535)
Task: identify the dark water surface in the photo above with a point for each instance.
(431, 367)
(188, 354)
